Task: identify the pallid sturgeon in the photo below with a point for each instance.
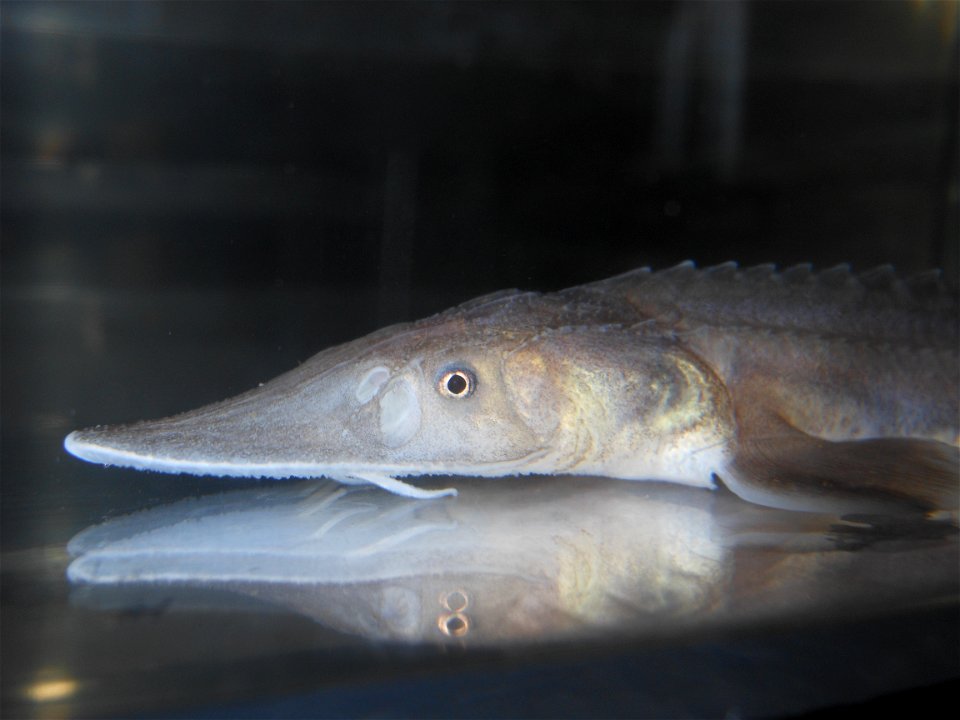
(810, 391)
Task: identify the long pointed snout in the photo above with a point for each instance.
(302, 424)
(265, 433)
(426, 398)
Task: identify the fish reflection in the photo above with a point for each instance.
(537, 558)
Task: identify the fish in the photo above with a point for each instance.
(822, 391)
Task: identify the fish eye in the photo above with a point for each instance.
(457, 383)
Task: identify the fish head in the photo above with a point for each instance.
(496, 387)
(436, 402)
(411, 399)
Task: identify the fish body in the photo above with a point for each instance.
(810, 391)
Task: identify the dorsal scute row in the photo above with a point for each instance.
(875, 304)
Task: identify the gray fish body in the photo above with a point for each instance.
(800, 390)
(845, 357)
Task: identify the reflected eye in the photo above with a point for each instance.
(457, 383)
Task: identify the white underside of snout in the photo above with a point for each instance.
(349, 473)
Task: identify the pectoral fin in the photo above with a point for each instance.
(783, 467)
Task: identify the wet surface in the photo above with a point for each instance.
(697, 605)
(514, 561)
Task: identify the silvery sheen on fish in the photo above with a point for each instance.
(809, 391)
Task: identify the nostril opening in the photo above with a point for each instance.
(370, 384)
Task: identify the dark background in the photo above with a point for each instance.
(198, 196)
(460, 145)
